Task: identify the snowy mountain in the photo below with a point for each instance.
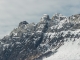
(56, 38)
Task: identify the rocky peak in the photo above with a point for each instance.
(31, 41)
(23, 23)
(45, 17)
(58, 16)
(73, 17)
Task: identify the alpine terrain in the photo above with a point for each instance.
(56, 38)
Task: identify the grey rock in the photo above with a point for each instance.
(35, 41)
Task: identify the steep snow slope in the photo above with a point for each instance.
(70, 50)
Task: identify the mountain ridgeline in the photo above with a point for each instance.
(36, 41)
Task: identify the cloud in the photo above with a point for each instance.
(14, 11)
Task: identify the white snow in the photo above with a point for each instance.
(45, 16)
(41, 26)
(71, 48)
(50, 34)
(60, 24)
(18, 43)
(39, 31)
(54, 27)
(16, 37)
(5, 46)
(73, 17)
(69, 51)
(14, 33)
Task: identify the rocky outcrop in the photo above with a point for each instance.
(35, 41)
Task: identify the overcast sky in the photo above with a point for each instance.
(14, 11)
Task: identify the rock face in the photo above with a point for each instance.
(35, 41)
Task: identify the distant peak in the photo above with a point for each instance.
(74, 17)
(58, 16)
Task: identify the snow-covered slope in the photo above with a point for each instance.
(57, 38)
(70, 50)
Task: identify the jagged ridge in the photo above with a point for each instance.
(34, 41)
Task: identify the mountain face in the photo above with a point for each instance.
(44, 39)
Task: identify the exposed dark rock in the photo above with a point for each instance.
(35, 41)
